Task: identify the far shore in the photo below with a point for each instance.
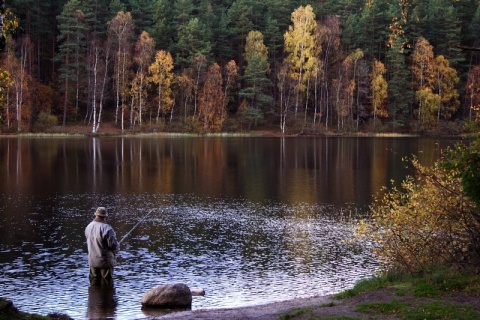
(108, 130)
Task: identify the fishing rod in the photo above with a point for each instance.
(126, 235)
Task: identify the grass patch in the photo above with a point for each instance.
(427, 284)
(372, 284)
(295, 313)
(327, 305)
(438, 283)
(421, 311)
(309, 313)
(337, 318)
(426, 290)
(387, 308)
(310, 316)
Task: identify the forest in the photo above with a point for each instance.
(343, 66)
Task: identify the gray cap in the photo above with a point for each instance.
(101, 212)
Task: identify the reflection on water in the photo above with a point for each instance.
(250, 221)
(101, 299)
(320, 170)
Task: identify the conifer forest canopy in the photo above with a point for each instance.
(236, 65)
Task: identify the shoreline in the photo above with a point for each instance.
(110, 130)
(253, 134)
(266, 311)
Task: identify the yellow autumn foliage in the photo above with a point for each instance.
(428, 221)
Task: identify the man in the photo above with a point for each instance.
(102, 245)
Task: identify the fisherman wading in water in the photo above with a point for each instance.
(102, 246)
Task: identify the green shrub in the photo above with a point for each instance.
(45, 122)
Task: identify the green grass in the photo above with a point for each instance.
(421, 311)
(337, 318)
(424, 295)
(307, 314)
(433, 284)
(295, 313)
(371, 284)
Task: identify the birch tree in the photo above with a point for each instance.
(144, 50)
(329, 35)
(20, 85)
(473, 93)
(99, 70)
(301, 48)
(230, 76)
(199, 69)
(120, 32)
(445, 85)
(422, 75)
(212, 112)
(286, 88)
(379, 89)
(184, 84)
(161, 75)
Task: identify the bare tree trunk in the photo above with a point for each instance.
(306, 101)
(315, 96)
(8, 107)
(159, 100)
(94, 91)
(140, 91)
(102, 91)
(117, 85)
(23, 61)
(171, 112)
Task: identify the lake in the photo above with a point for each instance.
(251, 220)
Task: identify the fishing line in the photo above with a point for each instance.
(126, 235)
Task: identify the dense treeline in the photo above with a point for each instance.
(207, 65)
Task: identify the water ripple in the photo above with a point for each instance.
(241, 253)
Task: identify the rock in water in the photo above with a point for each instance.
(168, 295)
(197, 291)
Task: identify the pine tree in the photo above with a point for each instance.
(142, 15)
(114, 8)
(240, 17)
(96, 17)
(163, 30)
(440, 25)
(71, 49)
(222, 48)
(257, 84)
(473, 37)
(400, 96)
(193, 40)
(373, 28)
(38, 19)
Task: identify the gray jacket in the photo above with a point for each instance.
(102, 244)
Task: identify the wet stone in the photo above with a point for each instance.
(167, 296)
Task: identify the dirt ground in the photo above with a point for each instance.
(317, 308)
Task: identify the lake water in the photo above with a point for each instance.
(249, 220)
